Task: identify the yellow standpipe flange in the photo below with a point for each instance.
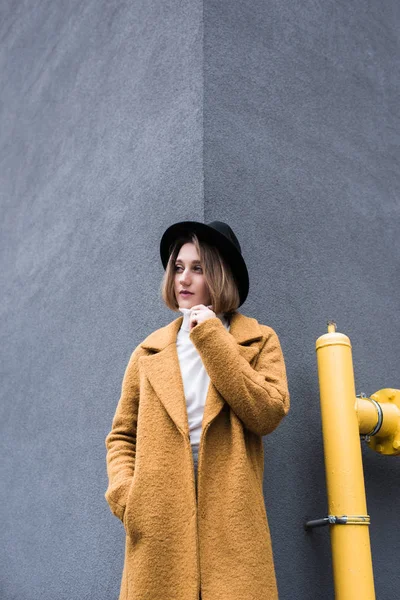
(379, 420)
(351, 552)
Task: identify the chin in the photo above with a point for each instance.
(187, 302)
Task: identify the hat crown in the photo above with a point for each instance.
(226, 231)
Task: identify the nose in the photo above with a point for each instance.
(184, 278)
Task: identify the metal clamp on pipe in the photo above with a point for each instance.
(379, 420)
(367, 436)
(343, 520)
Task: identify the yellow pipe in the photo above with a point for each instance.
(382, 430)
(368, 418)
(351, 551)
(366, 414)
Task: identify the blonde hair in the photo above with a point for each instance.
(221, 285)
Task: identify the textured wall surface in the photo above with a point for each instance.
(118, 119)
(301, 154)
(100, 148)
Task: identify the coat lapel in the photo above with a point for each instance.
(163, 370)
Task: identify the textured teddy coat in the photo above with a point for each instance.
(220, 544)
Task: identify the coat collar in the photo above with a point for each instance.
(244, 329)
(163, 370)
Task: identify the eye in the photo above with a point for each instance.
(180, 267)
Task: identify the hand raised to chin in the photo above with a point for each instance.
(199, 314)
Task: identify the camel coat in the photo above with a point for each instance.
(219, 544)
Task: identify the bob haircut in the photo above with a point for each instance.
(222, 287)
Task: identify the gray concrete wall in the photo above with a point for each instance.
(100, 135)
(301, 156)
(119, 119)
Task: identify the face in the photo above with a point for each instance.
(189, 276)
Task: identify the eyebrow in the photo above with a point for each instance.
(193, 261)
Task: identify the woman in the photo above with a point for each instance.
(202, 390)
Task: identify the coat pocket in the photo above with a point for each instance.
(116, 496)
(129, 512)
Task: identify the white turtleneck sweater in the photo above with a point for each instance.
(195, 378)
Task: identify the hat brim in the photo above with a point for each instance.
(213, 237)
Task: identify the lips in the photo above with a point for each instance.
(186, 294)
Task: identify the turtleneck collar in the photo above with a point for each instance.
(186, 316)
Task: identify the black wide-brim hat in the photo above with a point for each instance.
(217, 234)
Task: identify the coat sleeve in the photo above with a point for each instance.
(121, 440)
(259, 396)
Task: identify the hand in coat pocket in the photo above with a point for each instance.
(127, 516)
